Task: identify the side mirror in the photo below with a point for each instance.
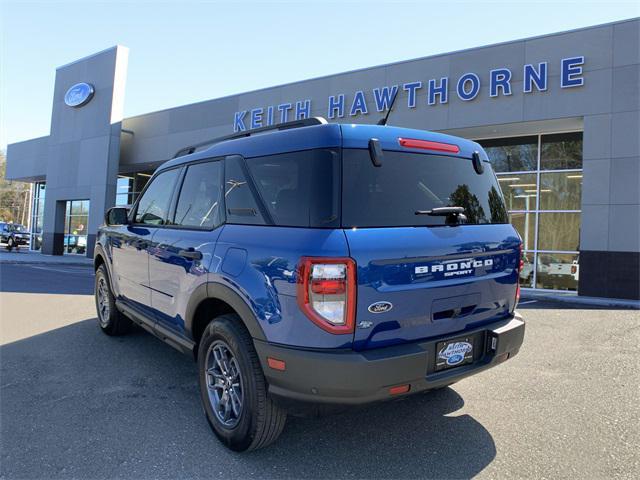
(117, 216)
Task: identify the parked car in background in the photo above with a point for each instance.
(13, 235)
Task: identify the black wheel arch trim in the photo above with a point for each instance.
(218, 291)
(99, 251)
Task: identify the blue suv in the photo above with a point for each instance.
(311, 265)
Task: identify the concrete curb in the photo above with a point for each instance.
(574, 298)
(35, 262)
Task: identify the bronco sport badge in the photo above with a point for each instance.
(455, 267)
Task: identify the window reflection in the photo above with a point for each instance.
(562, 150)
(526, 274)
(76, 227)
(544, 208)
(525, 224)
(560, 191)
(558, 231)
(558, 271)
(519, 190)
(512, 154)
(37, 215)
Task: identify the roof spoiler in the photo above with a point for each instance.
(305, 122)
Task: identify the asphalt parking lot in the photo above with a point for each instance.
(75, 403)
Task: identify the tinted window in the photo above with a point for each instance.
(512, 154)
(299, 189)
(563, 150)
(154, 203)
(239, 198)
(390, 195)
(199, 201)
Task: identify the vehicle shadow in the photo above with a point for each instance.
(76, 403)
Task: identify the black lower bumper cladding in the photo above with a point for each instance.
(354, 378)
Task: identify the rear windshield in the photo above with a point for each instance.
(389, 196)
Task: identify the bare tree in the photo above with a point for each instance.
(14, 197)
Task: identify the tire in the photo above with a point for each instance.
(111, 321)
(10, 244)
(254, 420)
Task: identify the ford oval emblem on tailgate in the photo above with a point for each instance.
(380, 307)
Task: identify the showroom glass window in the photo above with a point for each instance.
(129, 187)
(37, 215)
(541, 178)
(76, 224)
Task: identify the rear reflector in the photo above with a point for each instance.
(276, 364)
(399, 389)
(427, 145)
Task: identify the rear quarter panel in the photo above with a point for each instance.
(259, 264)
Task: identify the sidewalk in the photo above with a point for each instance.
(28, 257)
(573, 297)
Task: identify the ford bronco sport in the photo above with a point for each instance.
(315, 264)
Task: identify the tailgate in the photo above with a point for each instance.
(421, 282)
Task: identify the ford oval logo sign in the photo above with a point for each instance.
(79, 95)
(380, 307)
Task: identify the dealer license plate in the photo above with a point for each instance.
(454, 353)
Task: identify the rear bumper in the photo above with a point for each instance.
(353, 378)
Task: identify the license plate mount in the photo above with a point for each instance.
(454, 353)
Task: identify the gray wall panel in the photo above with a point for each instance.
(625, 141)
(626, 43)
(597, 137)
(595, 44)
(593, 97)
(625, 182)
(624, 230)
(625, 91)
(595, 185)
(594, 231)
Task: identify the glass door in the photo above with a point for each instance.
(75, 227)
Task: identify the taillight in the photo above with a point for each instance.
(428, 145)
(327, 292)
(574, 269)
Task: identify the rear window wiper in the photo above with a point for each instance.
(455, 215)
(441, 211)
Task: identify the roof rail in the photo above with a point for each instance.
(305, 122)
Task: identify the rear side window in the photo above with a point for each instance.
(154, 204)
(240, 198)
(199, 203)
(299, 189)
(389, 196)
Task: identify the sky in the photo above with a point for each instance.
(183, 52)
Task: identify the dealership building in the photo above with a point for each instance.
(557, 114)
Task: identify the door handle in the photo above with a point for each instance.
(191, 254)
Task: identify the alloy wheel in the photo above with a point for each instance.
(224, 384)
(103, 302)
